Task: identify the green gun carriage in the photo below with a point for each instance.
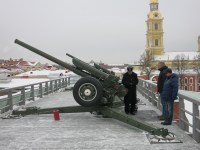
(98, 90)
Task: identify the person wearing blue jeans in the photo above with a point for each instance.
(164, 107)
(161, 79)
(169, 94)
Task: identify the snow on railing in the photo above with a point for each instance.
(21, 95)
(186, 108)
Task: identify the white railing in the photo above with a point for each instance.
(188, 117)
(19, 95)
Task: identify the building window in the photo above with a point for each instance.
(199, 80)
(191, 88)
(186, 88)
(191, 80)
(186, 80)
(156, 42)
(156, 26)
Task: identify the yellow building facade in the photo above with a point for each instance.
(154, 35)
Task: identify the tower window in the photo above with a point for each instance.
(154, 7)
(156, 26)
(156, 42)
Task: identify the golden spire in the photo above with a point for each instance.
(154, 1)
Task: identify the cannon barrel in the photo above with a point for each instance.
(103, 69)
(70, 55)
(53, 59)
(85, 66)
(97, 70)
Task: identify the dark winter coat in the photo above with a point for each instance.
(161, 79)
(170, 88)
(130, 81)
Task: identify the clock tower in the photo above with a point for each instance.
(154, 35)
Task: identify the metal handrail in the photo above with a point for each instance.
(149, 91)
(19, 95)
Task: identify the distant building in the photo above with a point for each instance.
(20, 65)
(189, 79)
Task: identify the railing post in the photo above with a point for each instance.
(153, 96)
(59, 83)
(40, 90)
(68, 81)
(32, 93)
(10, 100)
(182, 125)
(23, 97)
(159, 105)
(149, 93)
(46, 88)
(51, 86)
(143, 88)
(62, 82)
(56, 84)
(196, 123)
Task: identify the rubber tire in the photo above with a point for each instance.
(98, 87)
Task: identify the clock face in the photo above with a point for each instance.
(155, 15)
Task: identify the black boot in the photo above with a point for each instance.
(133, 109)
(127, 109)
(167, 121)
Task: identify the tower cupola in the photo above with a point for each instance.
(154, 35)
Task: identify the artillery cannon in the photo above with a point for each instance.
(98, 90)
(97, 86)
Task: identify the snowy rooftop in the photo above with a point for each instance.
(172, 55)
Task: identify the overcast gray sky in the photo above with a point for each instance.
(112, 31)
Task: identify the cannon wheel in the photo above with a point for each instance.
(88, 91)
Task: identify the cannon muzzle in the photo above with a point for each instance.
(70, 55)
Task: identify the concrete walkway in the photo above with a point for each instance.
(83, 130)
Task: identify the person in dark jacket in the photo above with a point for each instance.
(130, 80)
(161, 79)
(169, 94)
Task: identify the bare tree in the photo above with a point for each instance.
(179, 64)
(196, 64)
(146, 62)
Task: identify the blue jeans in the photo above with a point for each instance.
(170, 108)
(164, 107)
